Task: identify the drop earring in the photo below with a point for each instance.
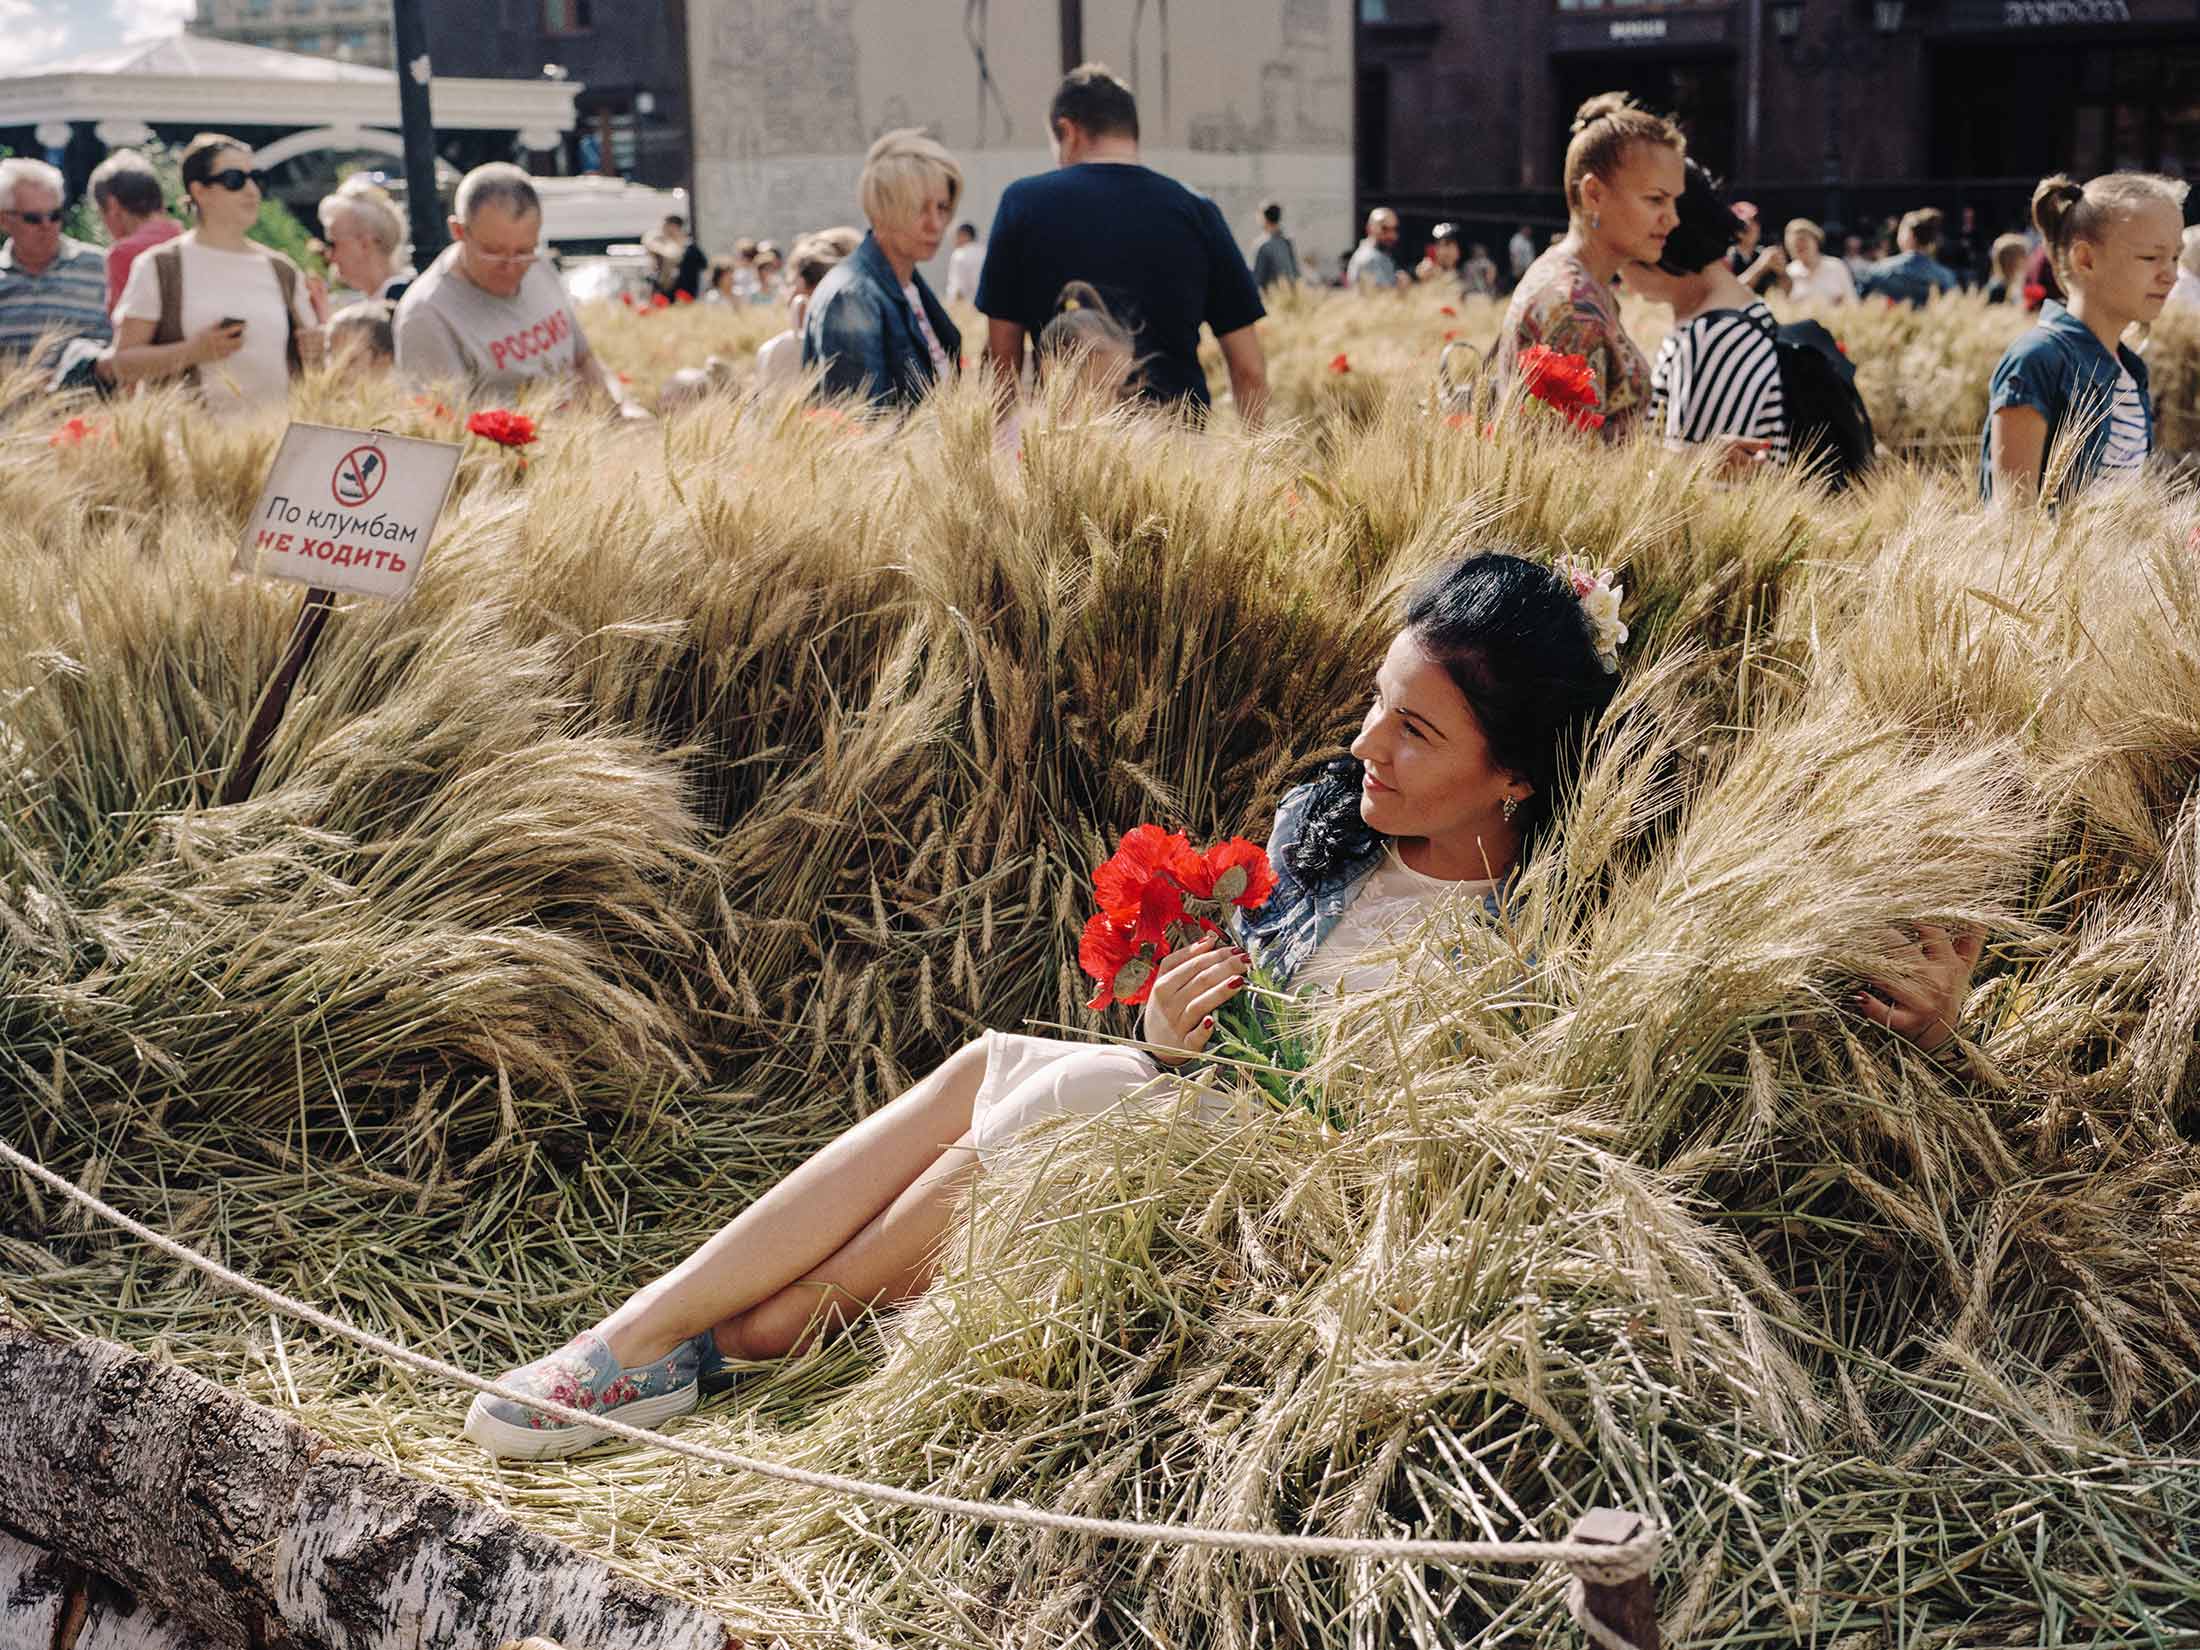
(1596, 220)
(1509, 807)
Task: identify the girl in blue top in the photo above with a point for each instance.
(2114, 243)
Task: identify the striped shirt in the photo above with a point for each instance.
(2126, 452)
(1720, 375)
(68, 299)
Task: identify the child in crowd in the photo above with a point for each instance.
(2114, 244)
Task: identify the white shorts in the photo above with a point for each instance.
(1029, 1079)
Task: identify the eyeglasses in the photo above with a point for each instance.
(34, 217)
(503, 260)
(234, 178)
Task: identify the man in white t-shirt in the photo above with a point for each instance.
(964, 265)
(491, 312)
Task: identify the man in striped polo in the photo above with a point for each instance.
(49, 283)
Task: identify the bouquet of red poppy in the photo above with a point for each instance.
(1563, 383)
(1158, 893)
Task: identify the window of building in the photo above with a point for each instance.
(258, 8)
(568, 16)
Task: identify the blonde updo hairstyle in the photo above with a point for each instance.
(2066, 212)
(1606, 129)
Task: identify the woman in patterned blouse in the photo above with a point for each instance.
(1623, 183)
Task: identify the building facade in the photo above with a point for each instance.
(1242, 102)
(1844, 110)
(355, 31)
(629, 62)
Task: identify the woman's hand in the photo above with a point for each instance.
(1925, 1009)
(1191, 985)
(1740, 454)
(217, 343)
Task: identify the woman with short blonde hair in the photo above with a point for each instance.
(366, 239)
(874, 325)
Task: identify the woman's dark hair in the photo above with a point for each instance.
(202, 151)
(1707, 226)
(1514, 637)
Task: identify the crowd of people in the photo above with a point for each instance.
(1113, 268)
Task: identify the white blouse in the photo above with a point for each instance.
(1391, 903)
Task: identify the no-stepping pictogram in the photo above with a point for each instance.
(359, 476)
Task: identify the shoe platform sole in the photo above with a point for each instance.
(507, 1441)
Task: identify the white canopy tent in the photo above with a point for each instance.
(190, 82)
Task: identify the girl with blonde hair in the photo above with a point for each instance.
(2114, 243)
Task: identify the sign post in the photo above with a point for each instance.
(415, 72)
(342, 510)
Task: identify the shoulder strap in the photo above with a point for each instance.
(167, 260)
(286, 277)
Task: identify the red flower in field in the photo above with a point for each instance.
(503, 426)
(2035, 294)
(1239, 873)
(1447, 310)
(1843, 348)
(433, 408)
(1339, 362)
(1450, 333)
(1563, 382)
(627, 298)
(74, 433)
(657, 300)
(685, 297)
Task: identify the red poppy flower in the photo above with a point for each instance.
(73, 434)
(1447, 310)
(1563, 382)
(433, 408)
(685, 297)
(1144, 883)
(1339, 363)
(657, 300)
(627, 298)
(1240, 873)
(1124, 969)
(1450, 333)
(2035, 294)
(503, 426)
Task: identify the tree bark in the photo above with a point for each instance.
(251, 1533)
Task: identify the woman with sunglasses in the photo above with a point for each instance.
(225, 314)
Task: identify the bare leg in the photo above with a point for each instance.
(891, 1259)
(805, 1219)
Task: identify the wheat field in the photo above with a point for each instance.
(719, 776)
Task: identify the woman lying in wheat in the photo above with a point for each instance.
(1460, 764)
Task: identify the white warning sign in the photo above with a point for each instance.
(349, 510)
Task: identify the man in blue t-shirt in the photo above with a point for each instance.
(1161, 257)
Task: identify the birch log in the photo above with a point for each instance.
(249, 1531)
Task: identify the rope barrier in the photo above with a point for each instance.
(1607, 1564)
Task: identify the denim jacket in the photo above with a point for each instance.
(1284, 933)
(860, 326)
(2059, 369)
(1908, 277)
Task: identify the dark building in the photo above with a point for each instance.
(631, 62)
(1844, 110)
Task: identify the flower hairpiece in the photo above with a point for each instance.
(1600, 599)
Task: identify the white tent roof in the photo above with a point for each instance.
(187, 79)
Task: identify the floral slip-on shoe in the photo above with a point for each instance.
(582, 1374)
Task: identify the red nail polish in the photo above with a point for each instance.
(1208, 1024)
(1237, 979)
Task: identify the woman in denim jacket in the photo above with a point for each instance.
(873, 323)
(2114, 243)
(1462, 761)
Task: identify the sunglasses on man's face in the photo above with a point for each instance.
(35, 217)
(234, 178)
